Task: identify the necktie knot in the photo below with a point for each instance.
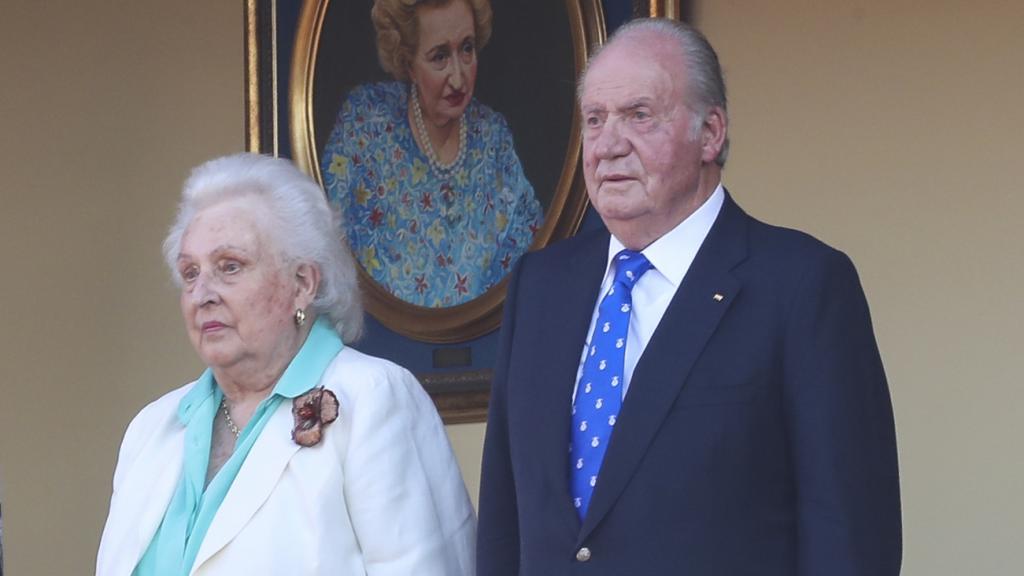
(629, 267)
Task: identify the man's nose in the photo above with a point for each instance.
(610, 142)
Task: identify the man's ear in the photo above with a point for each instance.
(713, 133)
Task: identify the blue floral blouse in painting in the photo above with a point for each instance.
(432, 238)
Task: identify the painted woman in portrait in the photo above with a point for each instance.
(435, 200)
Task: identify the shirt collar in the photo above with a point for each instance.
(672, 254)
(304, 371)
(190, 403)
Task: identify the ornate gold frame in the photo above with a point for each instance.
(675, 9)
(261, 122)
(483, 314)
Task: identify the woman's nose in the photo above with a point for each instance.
(457, 78)
(202, 292)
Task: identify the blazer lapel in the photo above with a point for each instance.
(572, 294)
(143, 496)
(255, 482)
(700, 302)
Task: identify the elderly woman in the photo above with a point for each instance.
(292, 453)
(428, 178)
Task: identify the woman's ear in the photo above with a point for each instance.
(307, 283)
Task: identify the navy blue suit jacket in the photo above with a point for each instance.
(757, 436)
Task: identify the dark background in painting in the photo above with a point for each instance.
(378, 340)
(525, 73)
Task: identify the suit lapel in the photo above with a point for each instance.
(688, 323)
(255, 482)
(571, 296)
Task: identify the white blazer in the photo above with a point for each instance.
(380, 495)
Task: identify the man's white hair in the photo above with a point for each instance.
(703, 72)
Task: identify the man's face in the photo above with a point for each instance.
(642, 146)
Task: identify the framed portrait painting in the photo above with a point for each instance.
(435, 237)
(447, 136)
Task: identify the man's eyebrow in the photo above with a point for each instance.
(641, 102)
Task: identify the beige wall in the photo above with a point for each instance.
(105, 106)
(887, 128)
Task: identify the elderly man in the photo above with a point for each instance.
(697, 393)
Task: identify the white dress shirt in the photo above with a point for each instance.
(671, 256)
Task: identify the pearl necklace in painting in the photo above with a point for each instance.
(440, 168)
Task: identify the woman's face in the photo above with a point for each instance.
(237, 298)
(444, 64)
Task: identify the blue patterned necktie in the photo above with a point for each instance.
(599, 392)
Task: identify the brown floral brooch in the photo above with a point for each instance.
(312, 411)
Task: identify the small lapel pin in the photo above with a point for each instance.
(718, 297)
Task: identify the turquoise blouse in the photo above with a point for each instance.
(192, 509)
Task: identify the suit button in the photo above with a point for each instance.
(583, 554)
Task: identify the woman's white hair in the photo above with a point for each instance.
(302, 227)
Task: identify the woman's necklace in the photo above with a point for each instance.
(440, 169)
(227, 417)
